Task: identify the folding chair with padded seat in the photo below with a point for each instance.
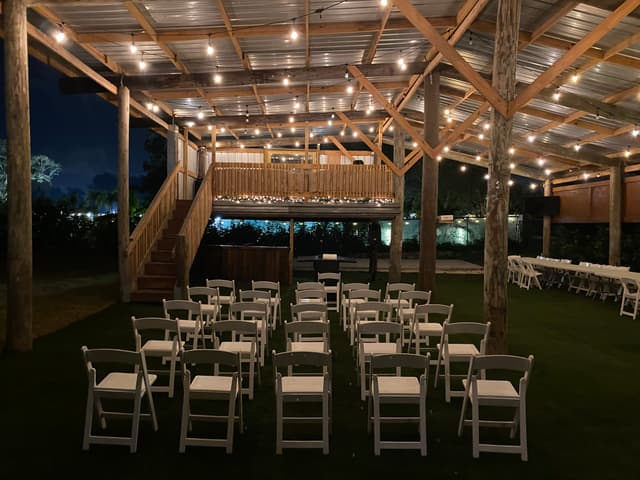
(630, 296)
(242, 339)
(209, 298)
(302, 388)
(259, 296)
(450, 352)
(356, 297)
(398, 389)
(530, 276)
(226, 294)
(108, 384)
(311, 296)
(427, 322)
(309, 286)
(375, 338)
(274, 301)
(331, 282)
(407, 302)
(481, 392)
(347, 288)
(392, 293)
(210, 387)
(167, 346)
(257, 312)
(189, 315)
(302, 312)
(308, 336)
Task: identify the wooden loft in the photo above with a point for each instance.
(539, 88)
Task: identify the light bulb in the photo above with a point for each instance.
(132, 47)
(627, 152)
(257, 131)
(391, 128)
(556, 94)
(446, 148)
(60, 35)
(210, 49)
(575, 77)
(293, 130)
(200, 115)
(285, 81)
(585, 176)
(354, 134)
(577, 147)
(415, 144)
(142, 64)
(510, 182)
(402, 64)
(297, 144)
(439, 158)
(531, 138)
(242, 145)
(294, 33)
(149, 106)
(222, 130)
(342, 133)
(635, 132)
(547, 171)
(268, 145)
(512, 165)
(533, 186)
(447, 112)
(383, 3)
(481, 136)
(326, 140)
(311, 135)
(541, 161)
(279, 134)
(370, 129)
(330, 122)
(512, 150)
(292, 119)
(217, 78)
(478, 158)
(209, 127)
(155, 108)
(189, 124)
(463, 168)
(486, 126)
(296, 103)
(350, 89)
(486, 176)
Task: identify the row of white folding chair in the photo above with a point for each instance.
(393, 291)
(227, 295)
(523, 274)
(345, 311)
(407, 302)
(365, 305)
(190, 319)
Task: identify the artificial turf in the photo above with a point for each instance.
(582, 404)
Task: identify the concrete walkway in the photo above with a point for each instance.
(409, 265)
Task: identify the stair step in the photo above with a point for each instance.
(166, 244)
(151, 295)
(174, 225)
(160, 268)
(162, 256)
(156, 282)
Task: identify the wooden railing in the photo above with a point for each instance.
(281, 180)
(192, 229)
(150, 227)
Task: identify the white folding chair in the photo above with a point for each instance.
(364, 310)
(407, 302)
(375, 338)
(309, 336)
(450, 353)
(530, 276)
(104, 383)
(209, 298)
(481, 392)
(302, 388)
(331, 282)
(354, 298)
(259, 296)
(189, 315)
(630, 296)
(347, 288)
(427, 322)
(311, 296)
(257, 312)
(302, 312)
(240, 337)
(226, 294)
(274, 301)
(309, 286)
(145, 331)
(399, 389)
(213, 388)
(392, 293)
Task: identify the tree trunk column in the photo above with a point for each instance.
(429, 200)
(395, 248)
(495, 241)
(19, 242)
(123, 193)
(615, 213)
(546, 222)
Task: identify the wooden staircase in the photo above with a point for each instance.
(159, 277)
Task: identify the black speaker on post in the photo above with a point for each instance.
(542, 206)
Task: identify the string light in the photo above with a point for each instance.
(446, 149)
(391, 128)
(217, 78)
(222, 130)
(142, 64)
(463, 168)
(210, 49)
(268, 146)
(297, 144)
(531, 138)
(512, 166)
(285, 81)
(354, 134)
(635, 132)
(325, 140)
(200, 115)
(575, 77)
(439, 158)
(60, 34)
(279, 135)
(415, 144)
(577, 147)
(512, 150)
(296, 103)
(149, 106)
(627, 152)
(533, 186)
(447, 112)
(486, 126)
(371, 129)
(481, 136)
(349, 87)
(242, 145)
(556, 94)
(478, 158)
(541, 161)
(292, 119)
(510, 182)
(293, 129)
(209, 127)
(342, 133)
(189, 124)
(402, 64)
(311, 134)
(155, 108)
(257, 131)
(294, 33)
(329, 122)
(383, 3)
(585, 175)
(547, 171)
(132, 47)
(486, 176)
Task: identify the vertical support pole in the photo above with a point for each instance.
(615, 213)
(19, 248)
(291, 235)
(202, 161)
(214, 151)
(173, 133)
(397, 225)
(123, 193)
(429, 200)
(495, 242)
(185, 165)
(546, 222)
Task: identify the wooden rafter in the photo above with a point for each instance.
(552, 16)
(340, 147)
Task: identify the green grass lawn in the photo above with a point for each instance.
(582, 403)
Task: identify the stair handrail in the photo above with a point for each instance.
(154, 220)
(193, 228)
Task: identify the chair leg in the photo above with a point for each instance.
(172, 374)
(88, 420)
(279, 424)
(251, 379)
(514, 424)
(135, 422)
(325, 423)
(184, 425)
(463, 412)
(230, 421)
(447, 381)
(435, 380)
(475, 428)
(423, 426)
(523, 433)
(376, 425)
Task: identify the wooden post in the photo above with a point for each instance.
(214, 151)
(615, 213)
(19, 249)
(397, 225)
(546, 222)
(291, 235)
(123, 193)
(429, 201)
(202, 161)
(173, 134)
(495, 242)
(185, 164)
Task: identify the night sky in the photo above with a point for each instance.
(77, 131)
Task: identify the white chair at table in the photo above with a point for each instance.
(274, 301)
(407, 302)
(259, 296)
(150, 335)
(226, 294)
(399, 389)
(482, 392)
(427, 322)
(311, 387)
(105, 383)
(393, 291)
(331, 282)
(530, 276)
(189, 315)
(204, 386)
(311, 296)
(257, 312)
(209, 298)
(347, 288)
(302, 312)
(375, 338)
(240, 337)
(450, 353)
(630, 296)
